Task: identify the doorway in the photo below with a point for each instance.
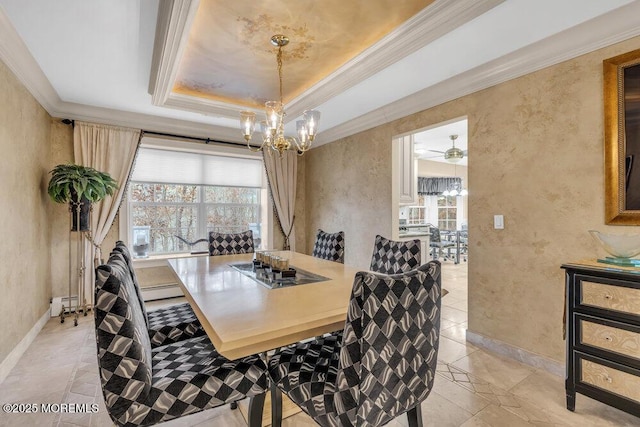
(441, 162)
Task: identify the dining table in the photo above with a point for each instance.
(245, 310)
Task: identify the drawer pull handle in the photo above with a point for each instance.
(607, 378)
(608, 296)
(608, 339)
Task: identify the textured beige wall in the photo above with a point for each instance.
(535, 156)
(348, 188)
(61, 152)
(24, 226)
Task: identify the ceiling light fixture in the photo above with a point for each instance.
(453, 154)
(273, 127)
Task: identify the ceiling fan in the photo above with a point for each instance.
(453, 154)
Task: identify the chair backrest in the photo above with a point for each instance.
(230, 243)
(329, 246)
(390, 345)
(391, 257)
(435, 235)
(126, 254)
(124, 349)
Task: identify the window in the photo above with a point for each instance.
(175, 213)
(447, 212)
(178, 197)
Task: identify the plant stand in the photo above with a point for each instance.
(77, 270)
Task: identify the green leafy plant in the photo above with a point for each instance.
(74, 182)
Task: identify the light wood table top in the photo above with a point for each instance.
(243, 317)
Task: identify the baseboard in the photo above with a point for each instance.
(12, 359)
(517, 353)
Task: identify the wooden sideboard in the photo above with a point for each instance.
(603, 334)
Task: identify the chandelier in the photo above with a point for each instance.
(273, 127)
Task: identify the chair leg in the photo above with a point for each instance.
(256, 407)
(233, 405)
(276, 406)
(415, 416)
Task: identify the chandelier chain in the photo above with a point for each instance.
(279, 59)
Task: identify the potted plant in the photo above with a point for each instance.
(80, 186)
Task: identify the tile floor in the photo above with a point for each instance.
(472, 387)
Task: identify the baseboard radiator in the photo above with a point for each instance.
(69, 305)
(149, 293)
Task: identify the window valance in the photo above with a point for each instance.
(436, 186)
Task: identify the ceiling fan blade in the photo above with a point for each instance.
(436, 151)
(465, 153)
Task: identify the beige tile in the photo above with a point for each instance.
(499, 371)
(462, 397)
(449, 350)
(457, 332)
(495, 416)
(453, 314)
(546, 391)
(440, 412)
(299, 420)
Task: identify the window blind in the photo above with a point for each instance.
(176, 167)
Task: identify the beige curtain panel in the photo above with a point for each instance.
(112, 150)
(281, 174)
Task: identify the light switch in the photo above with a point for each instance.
(498, 222)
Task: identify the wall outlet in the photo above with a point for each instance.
(498, 222)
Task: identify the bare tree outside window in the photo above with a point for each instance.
(191, 212)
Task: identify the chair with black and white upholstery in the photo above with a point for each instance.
(393, 257)
(230, 243)
(382, 365)
(144, 386)
(165, 325)
(329, 246)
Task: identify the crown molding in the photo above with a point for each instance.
(147, 122)
(616, 26)
(439, 18)
(204, 106)
(172, 33)
(15, 54)
(432, 22)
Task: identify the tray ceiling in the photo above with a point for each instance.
(228, 56)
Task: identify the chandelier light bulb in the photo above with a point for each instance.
(273, 127)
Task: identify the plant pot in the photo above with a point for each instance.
(80, 212)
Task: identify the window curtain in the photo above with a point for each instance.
(112, 150)
(435, 186)
(282, 172)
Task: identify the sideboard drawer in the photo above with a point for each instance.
(609, 338)
(610, 379)
(610, 297)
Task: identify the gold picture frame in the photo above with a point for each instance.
(622, 138)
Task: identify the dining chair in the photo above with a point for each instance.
(329, 246)
(439, 245)
(165, 325)
(394, 257)
(230, 243)
(380, 366)
(142, 385)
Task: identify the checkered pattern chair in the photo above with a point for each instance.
(382, 364)
(165, 325)
(391, 257)
(329, 246)
(144, 386)
(230, 243)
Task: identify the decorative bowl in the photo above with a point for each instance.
(619, 245)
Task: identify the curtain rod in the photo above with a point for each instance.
(171, 135)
